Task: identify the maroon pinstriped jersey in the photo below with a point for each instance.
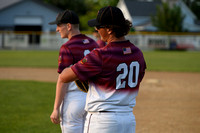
(74, 50)
(114, 73)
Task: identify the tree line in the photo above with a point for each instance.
(86, 9)
(169, 19)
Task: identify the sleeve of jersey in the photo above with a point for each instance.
(142, 70)
(89, 66)
(65, 58)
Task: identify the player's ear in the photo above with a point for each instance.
(69, 26)
(109, 31)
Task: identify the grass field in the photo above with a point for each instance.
(182, 61)
(27, 58)
(179, 61)
(26, 107)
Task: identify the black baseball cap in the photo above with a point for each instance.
(66, 16)
(108, 16)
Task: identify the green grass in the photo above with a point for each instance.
(181, 61)
(26, 107)
(28, 58)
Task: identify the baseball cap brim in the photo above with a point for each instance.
(93, 23)
(53, 22)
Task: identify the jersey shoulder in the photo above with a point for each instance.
(79, 40)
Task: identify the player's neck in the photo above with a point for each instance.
(73, 33)
(115, 39)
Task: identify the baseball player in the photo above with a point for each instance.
(70, 102)
(114, 73)
(98, 39)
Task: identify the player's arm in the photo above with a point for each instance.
(61, 89)
(67, 76)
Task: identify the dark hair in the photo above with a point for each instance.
(121, 30)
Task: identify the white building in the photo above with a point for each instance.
(139, 12)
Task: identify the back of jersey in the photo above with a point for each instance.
(73, 51)
(115, 73)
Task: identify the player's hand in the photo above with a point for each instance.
(55, 117)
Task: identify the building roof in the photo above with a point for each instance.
(8, 3)
(142, 8)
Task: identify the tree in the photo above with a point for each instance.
(92, 8)
(194, 6)
(78, 6)
(86, 9)
(187, 2)
(168, 19)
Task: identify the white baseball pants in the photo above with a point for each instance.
(110, 122)
(73, 113)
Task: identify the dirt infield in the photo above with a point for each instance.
(168, 102)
